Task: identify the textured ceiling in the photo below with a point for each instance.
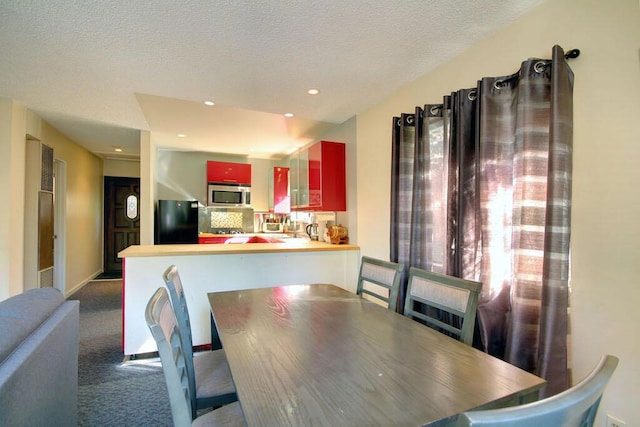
(100, 71)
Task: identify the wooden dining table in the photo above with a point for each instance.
(320, 355)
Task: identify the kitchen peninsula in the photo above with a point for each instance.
(224, 267)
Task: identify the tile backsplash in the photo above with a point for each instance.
(213, 218)
(226, 219)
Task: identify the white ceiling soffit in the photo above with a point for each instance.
(100, 71)
(226, 130)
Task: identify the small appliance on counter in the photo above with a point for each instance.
(176, 222)
(272, 226)
(312, 231)
(338, 234)
(294, 227)
(269, 222)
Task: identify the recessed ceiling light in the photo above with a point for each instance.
(288, 114)
(117, 149)
(181, 135)
(313, 91)
(209, 103)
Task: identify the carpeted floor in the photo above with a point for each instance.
(111, 392)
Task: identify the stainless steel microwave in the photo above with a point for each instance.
(229, 195)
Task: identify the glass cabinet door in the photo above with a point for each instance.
(303, 178)
(294, 181)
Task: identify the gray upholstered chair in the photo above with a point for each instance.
(380, 274)
(210, 377)
(446, 303)
(575, 407)
(164, 328)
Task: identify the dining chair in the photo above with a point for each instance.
(163, 325)
(209, 373)
(575, 407)
(380, 274)
(445, 303)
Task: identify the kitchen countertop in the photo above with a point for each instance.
(292, 245)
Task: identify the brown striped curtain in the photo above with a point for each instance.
(481, 189)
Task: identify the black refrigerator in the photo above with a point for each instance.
(176, 222)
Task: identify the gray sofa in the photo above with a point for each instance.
(39, 359)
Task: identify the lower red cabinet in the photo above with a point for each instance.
(211, 239)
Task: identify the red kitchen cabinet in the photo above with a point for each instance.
(212, 239)
(228, 172)
(281, 201)
(314, 165)
(323, 186)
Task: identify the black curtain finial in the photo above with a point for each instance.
(573, 53)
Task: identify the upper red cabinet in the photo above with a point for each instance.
(229, 173)
(321, 178)
(279, 189)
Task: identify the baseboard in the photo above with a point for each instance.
(80, 285)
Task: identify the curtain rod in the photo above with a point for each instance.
(573, 53)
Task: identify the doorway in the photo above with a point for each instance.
(121, 221)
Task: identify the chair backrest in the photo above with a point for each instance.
(179, 303)
(383, 274)
(176, 292)
(164, 329)
(441, 297)
(575, 407)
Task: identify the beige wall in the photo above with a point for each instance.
(605, 228)
(12, 155)
(124, 168)
(148, 153)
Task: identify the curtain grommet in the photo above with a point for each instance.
(540, 66)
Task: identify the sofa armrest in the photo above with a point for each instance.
(39, 380)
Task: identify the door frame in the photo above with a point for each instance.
(59, 223)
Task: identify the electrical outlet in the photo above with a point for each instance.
(614, 422)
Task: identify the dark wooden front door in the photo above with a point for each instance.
(121, 219)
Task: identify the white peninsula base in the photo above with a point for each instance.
(211, 268)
